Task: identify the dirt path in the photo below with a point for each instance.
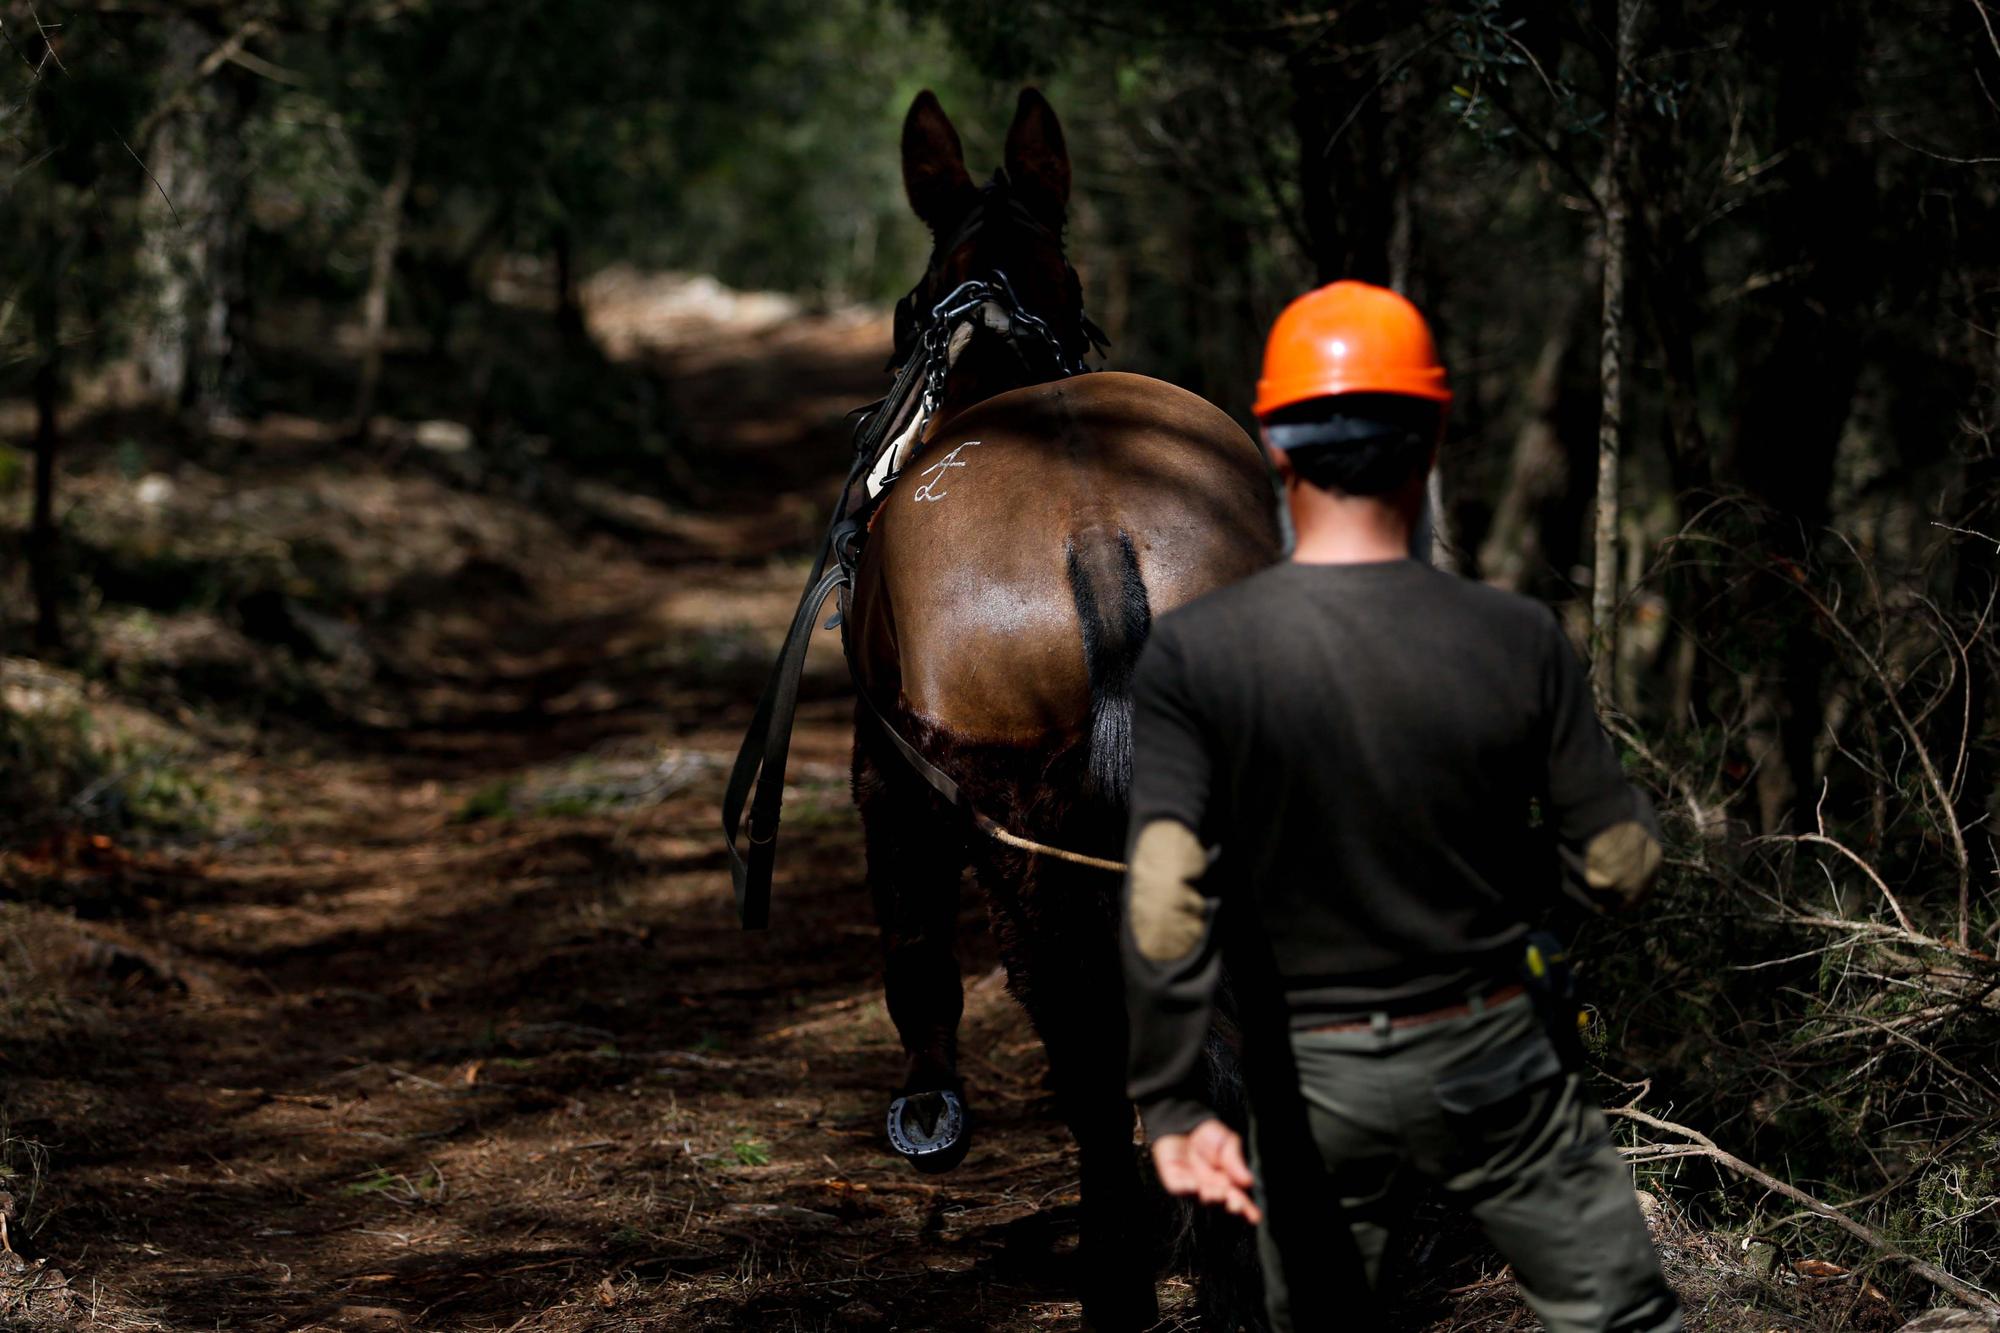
(467, 1036)
(458, 1032)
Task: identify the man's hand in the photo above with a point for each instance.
(1208, 1164)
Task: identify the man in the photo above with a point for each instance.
(1381, 773)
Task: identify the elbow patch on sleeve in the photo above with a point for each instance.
(1622, 862)
(1169, 914)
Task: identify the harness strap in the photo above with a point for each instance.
(761, 758)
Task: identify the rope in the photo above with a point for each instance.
(999, 834)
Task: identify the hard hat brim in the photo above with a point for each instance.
(1275, 395)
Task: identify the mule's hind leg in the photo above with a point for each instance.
(1055, 925)
(916, 855)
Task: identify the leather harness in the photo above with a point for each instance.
(912, 401)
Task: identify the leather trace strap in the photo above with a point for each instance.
(761, 759)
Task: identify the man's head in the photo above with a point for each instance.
(1352, 401)
(1358, 444)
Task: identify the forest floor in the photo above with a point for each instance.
(437, 1016)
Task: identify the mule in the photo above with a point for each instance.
(1008, 582)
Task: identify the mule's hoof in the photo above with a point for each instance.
(929, 1129)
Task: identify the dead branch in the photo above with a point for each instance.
(1820, 839)
(1699, 1144)
(1885, 932)
(1947, 814)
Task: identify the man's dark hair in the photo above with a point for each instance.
(1357, 443)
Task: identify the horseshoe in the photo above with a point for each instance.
(942, 1143)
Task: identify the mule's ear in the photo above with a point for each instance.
(1038, 159)
(934, 172)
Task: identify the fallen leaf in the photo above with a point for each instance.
(1817, 1268)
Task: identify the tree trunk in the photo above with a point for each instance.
(44, 538)
(1538, 474)
(1797, 396)
(1668, 262)
(1671, 268)
(1611, 424)
(1341, 117)
(194, 226)
(167, 258)
(381, 271)
(569, 308)
(1437, 538)
(1312, 124)
(222, 235)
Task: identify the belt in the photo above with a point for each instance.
(1383, 1022)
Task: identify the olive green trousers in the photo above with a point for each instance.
(1481, 1107)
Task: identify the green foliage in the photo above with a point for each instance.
(1955, 1199)
(495, 800)
(426, 1188)
(375, 1182)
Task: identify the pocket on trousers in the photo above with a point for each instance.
(1494, 1078)
(1503, 1107)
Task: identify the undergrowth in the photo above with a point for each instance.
(59, 768)
(1821, 1002)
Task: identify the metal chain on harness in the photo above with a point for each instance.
(760, 760)
(933, 353)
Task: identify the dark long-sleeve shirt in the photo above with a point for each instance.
(1383, 763)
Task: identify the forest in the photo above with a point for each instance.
(417, 418)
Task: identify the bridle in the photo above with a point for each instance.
(997, 202)
(1022, 328)
(886, 434)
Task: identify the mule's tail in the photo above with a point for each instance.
(1111, 606)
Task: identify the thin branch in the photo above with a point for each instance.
(1970, 532)
(1820, 839)
(265, 69)
(43, 30)
(1987, 19)
(171, 210)
(1933, 154)
(1387, 74)
(1946, 812)
(224, 53)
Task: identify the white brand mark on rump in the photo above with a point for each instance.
(928, 490)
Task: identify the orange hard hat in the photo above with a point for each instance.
(1349, 337)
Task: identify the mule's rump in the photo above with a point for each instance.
(996, 582)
